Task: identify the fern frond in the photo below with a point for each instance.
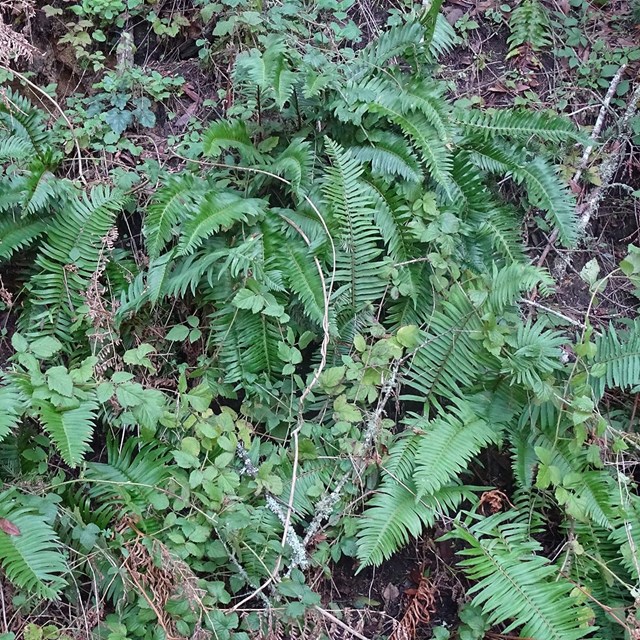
(351, 215)
(597, 496)
(31, 559)
(71, 430)
(157, 276)
(533, 353)
(518, 587)
(416, 307)
(268, 69)
(247, 344)
(17, 235)
(443, 37)
(508, 283)
(523, 457)
(593, 495)
(295, 164)
(393, 43)
(14, 148)
(617, 359)
(436, 155)
(392, 217)
(131, 475)
(171, 204)
(38, 190)
(476, 197)
(88, 509)
(449, 358)
(495, 236)
(218, 210)
(595, 569)
(11, 402)
(229, 134)
(544, 187)
(394, 516)
(315, 474)
(539, 416)
(548, 192)
(189, 272)
(447, 444)
(402, 457)
(421, 95)
(70, 255)
(627, 536)
(529, 24)
(519, 124)
(500, 230)
(304, 280)
(24, 121)
(389, 156)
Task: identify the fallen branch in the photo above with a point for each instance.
(584, 161)
(608, 171)
(599, 122)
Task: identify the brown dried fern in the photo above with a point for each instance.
(13, 45)
(419, 611)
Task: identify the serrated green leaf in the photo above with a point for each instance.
(59, 380)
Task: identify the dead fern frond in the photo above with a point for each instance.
(419, 610)
(14, 45)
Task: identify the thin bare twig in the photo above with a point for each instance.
(575, 323)
(295, 434)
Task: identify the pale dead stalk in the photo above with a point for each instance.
(329, 616)
(541, 307)
(295, 434)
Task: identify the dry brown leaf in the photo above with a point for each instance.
(8, 527)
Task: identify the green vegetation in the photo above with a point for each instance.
(246, 354)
